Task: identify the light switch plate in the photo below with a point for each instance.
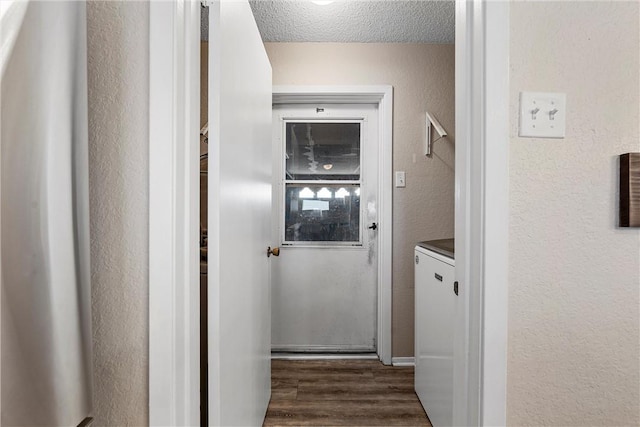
(542, 114)
(400, 180)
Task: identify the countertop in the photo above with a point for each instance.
(443, 247)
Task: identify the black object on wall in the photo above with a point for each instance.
(630, 190)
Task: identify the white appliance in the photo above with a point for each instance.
(434, 313)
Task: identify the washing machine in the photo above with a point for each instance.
(435, 297)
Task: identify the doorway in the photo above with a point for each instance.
(370, 107)
(171, 265)
(324, 285)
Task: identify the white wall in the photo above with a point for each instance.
(574, 323)
(118, 67)
(422, 76)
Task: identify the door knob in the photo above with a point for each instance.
(373, 226)
(274, 251)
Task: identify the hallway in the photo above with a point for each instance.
(342, 393)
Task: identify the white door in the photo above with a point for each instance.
(239, 217)
(325, 207)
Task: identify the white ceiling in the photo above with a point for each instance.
(354, 21)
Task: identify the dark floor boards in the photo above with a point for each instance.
(342, 393)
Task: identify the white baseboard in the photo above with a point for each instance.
(403, 361)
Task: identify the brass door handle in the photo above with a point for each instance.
(274, 251)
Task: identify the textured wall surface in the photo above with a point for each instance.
(118, 66)
(574, 276)
(422, 76)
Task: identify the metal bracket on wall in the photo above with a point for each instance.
(433, 124)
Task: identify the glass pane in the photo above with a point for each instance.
(323, 151)
(322, 213)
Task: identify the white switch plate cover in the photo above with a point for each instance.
(400, 180)
(537, 117)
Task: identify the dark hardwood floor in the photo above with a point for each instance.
(342, 393)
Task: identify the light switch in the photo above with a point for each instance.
(400, 180)
(542, 115)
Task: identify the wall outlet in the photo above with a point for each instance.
(400, 180)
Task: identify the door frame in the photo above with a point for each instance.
(482, 147)
(174, 213)
(482, 212)
(382, 96)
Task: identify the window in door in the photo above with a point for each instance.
(322, 182)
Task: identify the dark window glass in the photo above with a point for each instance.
(323, 151)
(322, 213)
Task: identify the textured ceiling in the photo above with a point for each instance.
(354, 21)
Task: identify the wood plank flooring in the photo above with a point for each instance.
(342, 393)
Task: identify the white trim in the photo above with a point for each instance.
(383, 96)
(328, 94)
(403, 361)
(496, 214)
(213, 242)
(334, 356)
(174, 115)
(482, 174)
